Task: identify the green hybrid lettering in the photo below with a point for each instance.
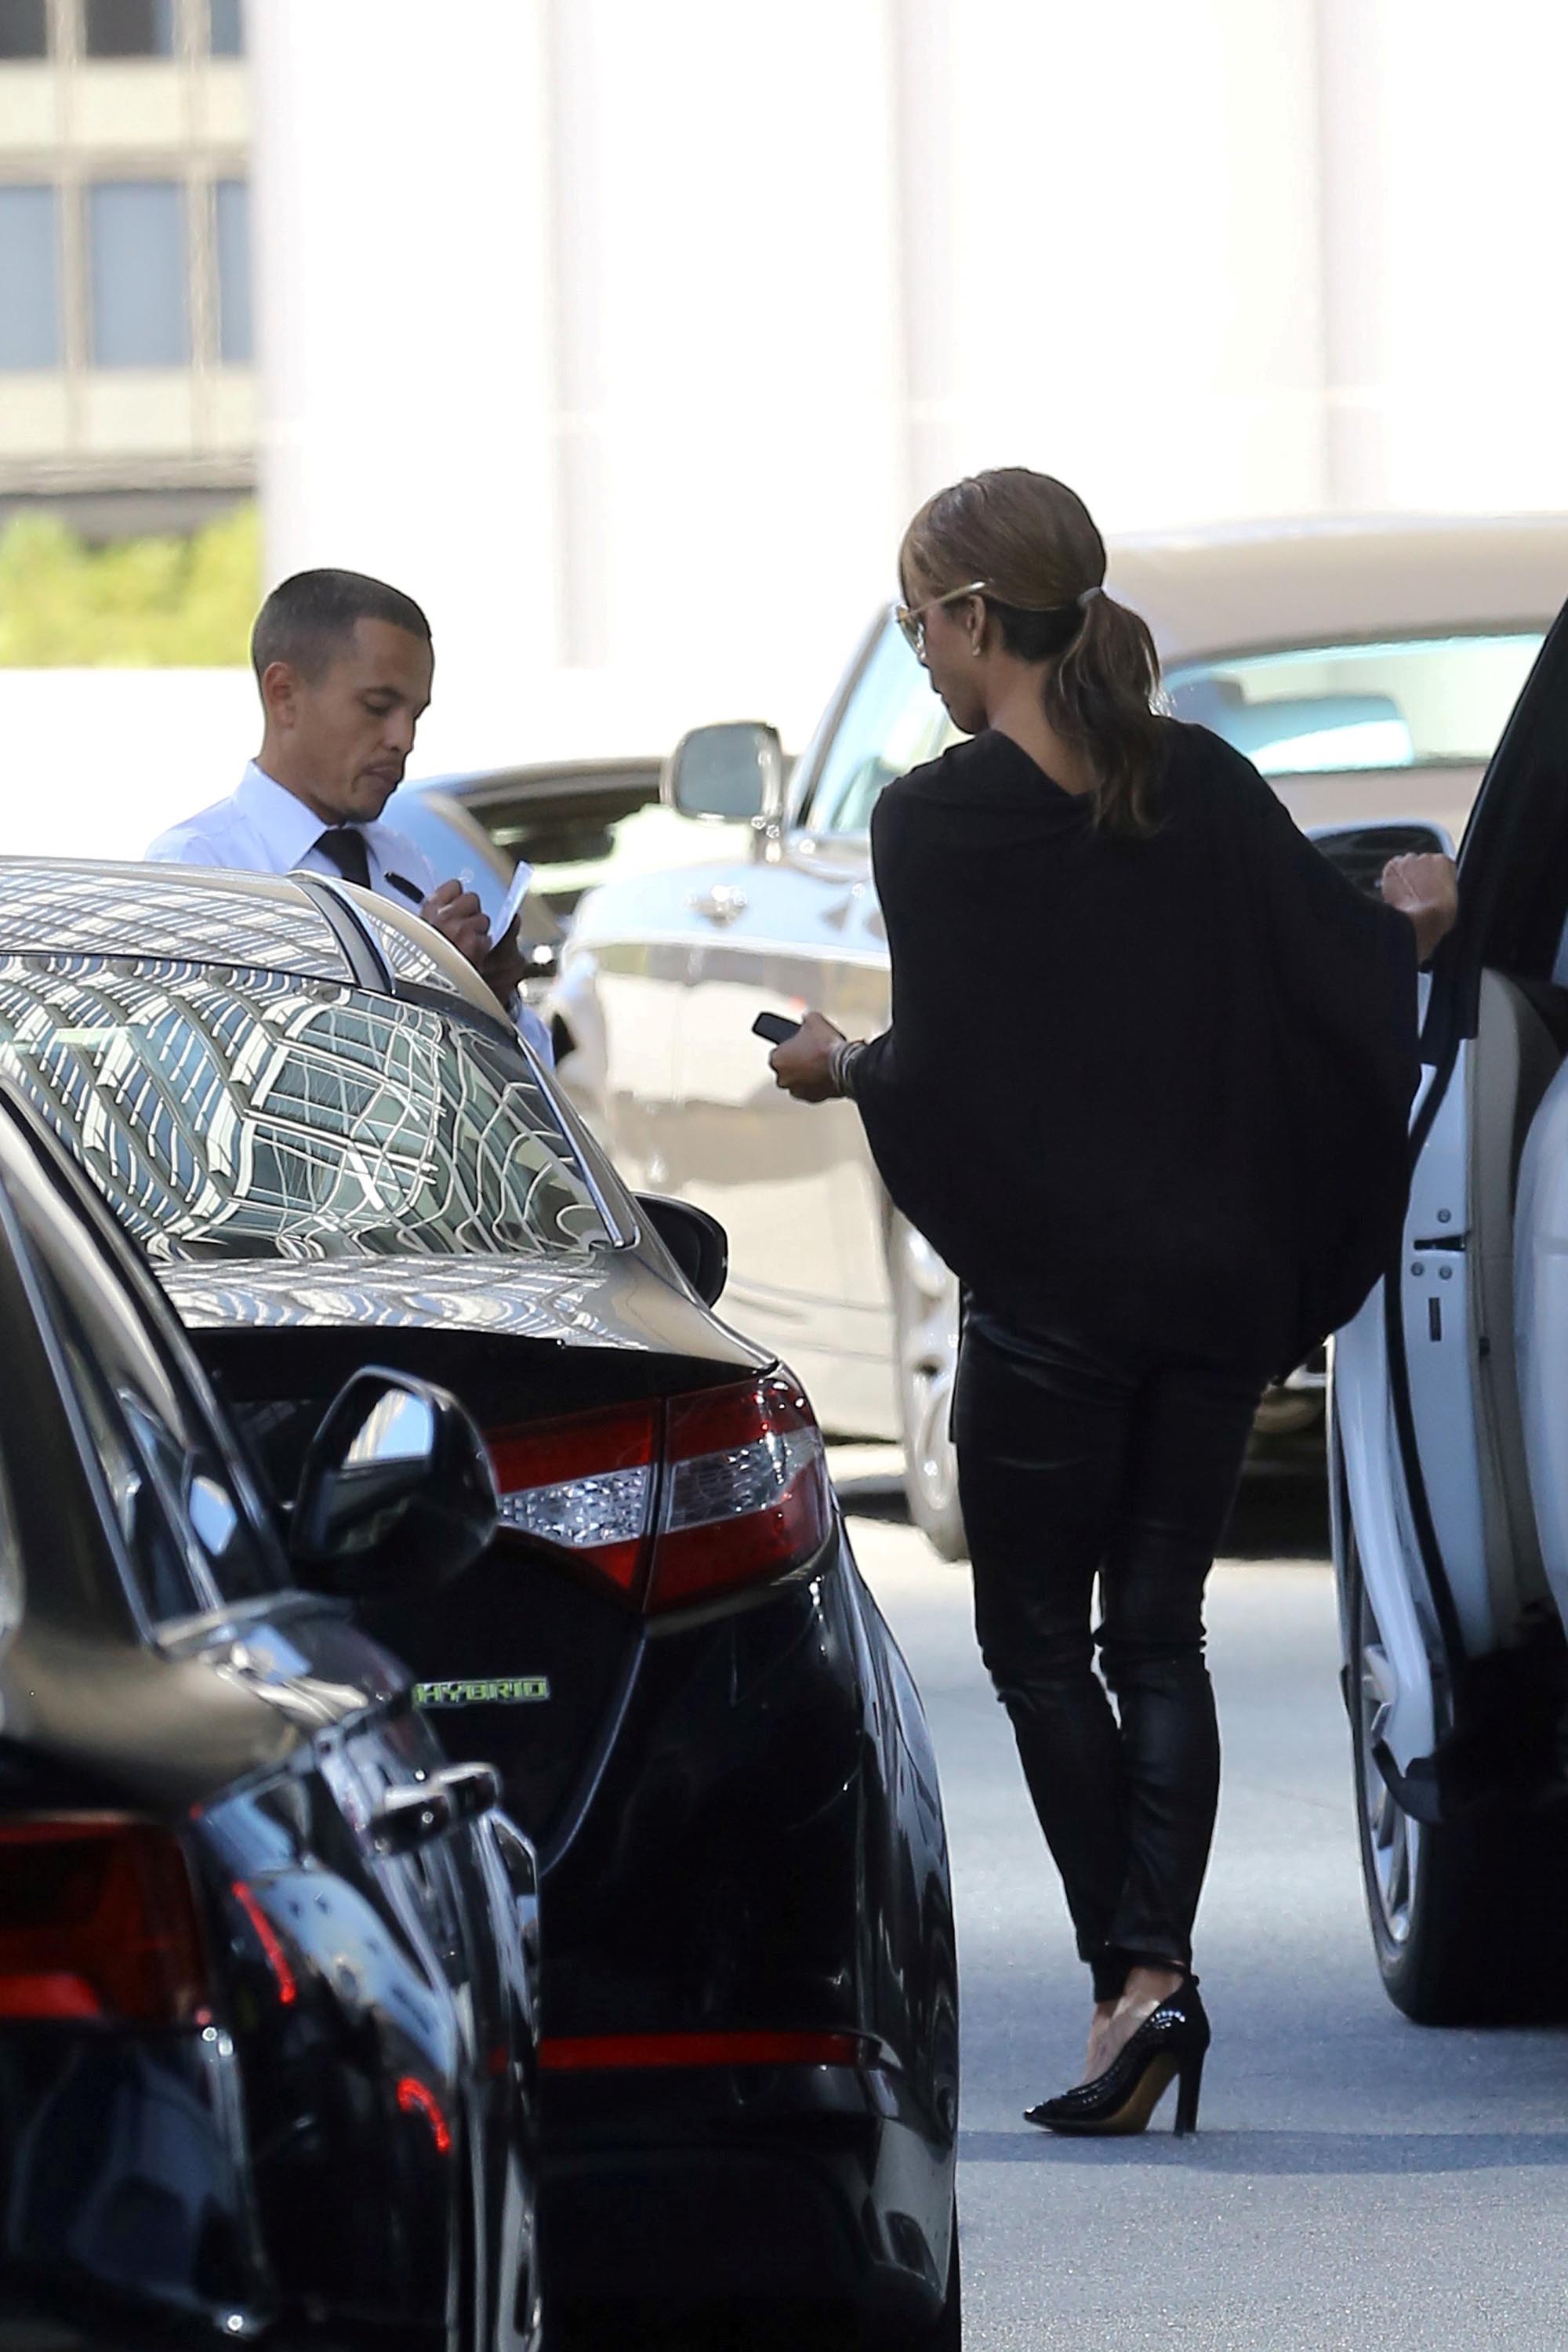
(491, 1690)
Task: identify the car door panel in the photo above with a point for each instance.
(792, 1183)
(766, 1166)
(1445, 1538)
(620, 997)
(1387, 1553)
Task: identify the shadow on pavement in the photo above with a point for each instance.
(1281, 2153)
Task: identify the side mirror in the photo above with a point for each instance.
(697, 1241)
(731, 775)
(1361, 851)
(397, 1496)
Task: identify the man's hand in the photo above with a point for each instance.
(505, 967)
(1425, 888)
(457, 914)
(800, 1065)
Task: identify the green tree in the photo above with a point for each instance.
(138, 603)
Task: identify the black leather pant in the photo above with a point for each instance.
(1075, 1461)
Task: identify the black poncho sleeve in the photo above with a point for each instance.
(1340, 969)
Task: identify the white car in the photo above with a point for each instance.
(1448, 1453)
(1367, 669)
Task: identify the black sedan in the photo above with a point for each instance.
(334, 1152)
(268, 2046)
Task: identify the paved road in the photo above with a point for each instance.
(1359, 2184)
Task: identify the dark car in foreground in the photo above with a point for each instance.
(335, 1152)
(267, 1959)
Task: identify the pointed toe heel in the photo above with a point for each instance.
(1170, 2046)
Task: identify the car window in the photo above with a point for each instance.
(249, 1115)
(575, 834)
(188, 1533)
(891, 722)
(1409, 703)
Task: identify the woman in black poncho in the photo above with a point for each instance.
(1157, 1129)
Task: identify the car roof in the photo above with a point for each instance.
(318, 929)
(1328, 580)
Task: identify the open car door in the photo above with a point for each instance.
(1451, 1630)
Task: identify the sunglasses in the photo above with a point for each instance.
(910, 618)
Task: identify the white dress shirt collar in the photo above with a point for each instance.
(286, 828)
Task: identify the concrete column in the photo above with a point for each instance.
(1446, 336)
(401, 199)
(728, 369)
(1112, 252)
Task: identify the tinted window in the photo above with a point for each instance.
(29, 278)
(129, 28)
(261, 1116)
(227, 34)
(188, 1532)
(891, 722)
(136, 232)
(1427, 702)
(236, 344)
(24, 30)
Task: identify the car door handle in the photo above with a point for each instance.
(720, 905)
(419, 1811)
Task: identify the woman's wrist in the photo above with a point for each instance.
(841, 1063)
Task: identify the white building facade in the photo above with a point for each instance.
(127, 390)
(626, 334)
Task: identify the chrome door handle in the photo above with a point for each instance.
(720, 905)
(419, 1811)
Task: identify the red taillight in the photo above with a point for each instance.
(680, 1502)
(277, 1958)
(745, 1491)
(584, 1486)
(590, 2053)
(98, 1919)
(414, 2098)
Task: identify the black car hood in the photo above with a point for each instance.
(613, 1300)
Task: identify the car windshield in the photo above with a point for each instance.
(241, 1114)
(891, 722)
(1428, 702)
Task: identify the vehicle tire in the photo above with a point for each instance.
(1466, 1919)
(925, 1338)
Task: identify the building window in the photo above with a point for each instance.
(24, 29)
(29, 278)
(226, 36)
(235, 339)
(136, 234)
(130, 28)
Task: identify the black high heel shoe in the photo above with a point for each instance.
(1169, 2046)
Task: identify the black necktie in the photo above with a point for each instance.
(344, 846)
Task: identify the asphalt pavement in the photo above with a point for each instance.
(1357, 2181)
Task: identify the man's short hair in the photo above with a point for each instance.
(307, 619)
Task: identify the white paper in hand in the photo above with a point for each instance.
(512, 901)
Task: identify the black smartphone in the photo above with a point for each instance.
(774, 1026)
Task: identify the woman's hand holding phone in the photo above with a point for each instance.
(802, 1064)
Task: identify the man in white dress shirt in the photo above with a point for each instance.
(344, 664)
